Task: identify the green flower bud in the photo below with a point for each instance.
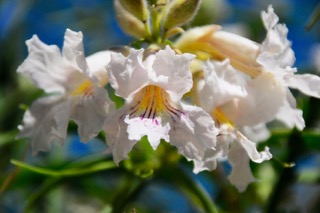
(138, 8)
(128, 22)
(180, 12)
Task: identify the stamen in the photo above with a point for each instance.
(153, 102)
(173, 110)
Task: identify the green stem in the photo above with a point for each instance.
(66, 172)
(315, 16)
(148, 30)
(48, 184)
(155, 24)
(132, 187)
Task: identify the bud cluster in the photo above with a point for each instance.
(155, 21)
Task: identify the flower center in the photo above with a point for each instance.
(85, 89)
(152, 102)
(221, 118)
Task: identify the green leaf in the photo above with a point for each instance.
(8, 137)
(66, 172)
(312, 139)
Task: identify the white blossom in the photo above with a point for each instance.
(271, 60)
(236, 103)
(75, 91)
(152, 89)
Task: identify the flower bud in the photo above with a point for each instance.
(174, 31)
(219, 45)
(180, 12)
(138, 8)
(128, 22)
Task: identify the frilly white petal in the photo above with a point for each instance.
(127, 74)
(171, 72)
(209, 160)
(43, 66)
(137, 128)
(52, 71)
(117, 135)
(73, 51)
(261, 105)
(222, 84)
(46, 121)
(269, 18)
(193, 133)
(90, 112)
(290, 116)
(250, 147)
(306, 83)
(240, 175)
(239, 157)
(275, 50)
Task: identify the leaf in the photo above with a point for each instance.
(312, 139)
(66, 172)
(8, 137)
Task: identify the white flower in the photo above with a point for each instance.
(221, 84)
(277, 57)
(153, 89)
(245, 101)
(236, 103)
(75, 91)
(272, 60)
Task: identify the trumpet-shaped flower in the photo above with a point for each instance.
(75, 88)
(272, 60)
(153, 89)
(236, 104)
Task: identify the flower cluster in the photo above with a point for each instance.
(235, 87)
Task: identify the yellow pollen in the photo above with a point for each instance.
(84, 89)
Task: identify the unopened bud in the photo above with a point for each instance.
(219, 45)
(180, 12)
(138, 8)
(173, 31)
(128, 22)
